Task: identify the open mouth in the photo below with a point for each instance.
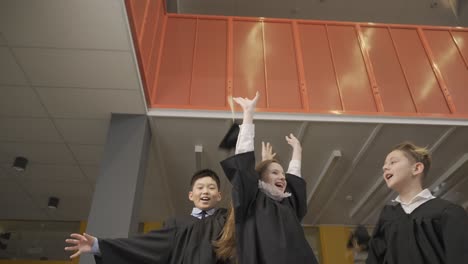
(388, 176)
(205, 199)
(280, 184)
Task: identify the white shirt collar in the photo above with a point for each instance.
(197, 212)
(423, 195)
(272, 191)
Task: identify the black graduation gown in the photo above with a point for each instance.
(183, 240)
(267, 231)
(436, 232)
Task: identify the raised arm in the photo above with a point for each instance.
(240, 168)
(248, 107)
(295, 163)
(296, 185)
(245, 141)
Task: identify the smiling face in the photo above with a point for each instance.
(274, 175)
(399, 170)
(205, 193)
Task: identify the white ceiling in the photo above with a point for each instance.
(65, 66)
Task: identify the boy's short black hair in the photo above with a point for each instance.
(205, 173)
(362, 237)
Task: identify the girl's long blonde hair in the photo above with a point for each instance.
(225, 246)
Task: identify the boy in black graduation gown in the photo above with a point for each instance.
(182, 240)
(268, 205)
(359, 244)
(420, 228)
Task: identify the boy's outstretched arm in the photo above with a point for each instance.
(81, 244)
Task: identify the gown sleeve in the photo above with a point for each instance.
(454, 223)
(377, 245)
(240, 170)
(298, 200)
(154, 247)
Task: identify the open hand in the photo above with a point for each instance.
(81, 244)
(248, 105)
(293, 141)
(267, 151)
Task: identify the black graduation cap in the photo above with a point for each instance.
(230, 139)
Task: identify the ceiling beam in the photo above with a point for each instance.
(366, 197)
(441, 139)
(452, 188)
(335, 118)
(450, 172)
(369, 141)
(455, 5)
(327, 170)
(465, 205)
(302, 130)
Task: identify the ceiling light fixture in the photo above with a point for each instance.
(53, 203)
(20, 163)
(198, 156)
(5, 235)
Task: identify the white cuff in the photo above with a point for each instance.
(295, 168)
(245, 141)
(95, 248)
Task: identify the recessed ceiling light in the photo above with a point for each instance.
(53, 203)
(20, 163)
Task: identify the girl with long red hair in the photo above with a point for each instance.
(267, 204)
